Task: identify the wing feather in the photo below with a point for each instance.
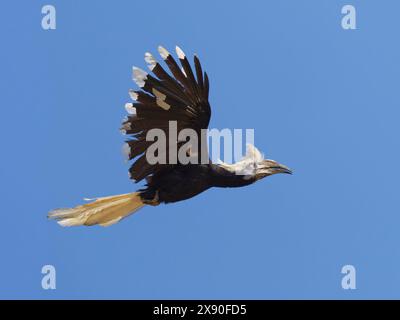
(164, 97)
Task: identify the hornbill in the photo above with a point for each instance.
(179, 96)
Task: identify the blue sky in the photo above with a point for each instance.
(321, 99)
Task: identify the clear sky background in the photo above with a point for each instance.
(322, 100)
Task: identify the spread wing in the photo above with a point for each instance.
(176, 96)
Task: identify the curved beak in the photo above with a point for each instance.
(279, 168)
(270, 167)
(283, 169)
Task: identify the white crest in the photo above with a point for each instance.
(252, 153)
(248, 165)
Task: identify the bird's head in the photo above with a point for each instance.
(269, 167)
(254, 166)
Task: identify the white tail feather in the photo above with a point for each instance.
(103, 211)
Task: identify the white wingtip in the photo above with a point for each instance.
(133, 94)
(139, 76)
(126, 151)
(148, 57)
(180, 53)
(125, 127)
(163, 52)
(130, 108)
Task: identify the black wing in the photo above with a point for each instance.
(165, 97)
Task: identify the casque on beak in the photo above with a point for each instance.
(270, 167)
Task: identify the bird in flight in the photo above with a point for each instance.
(179, 96)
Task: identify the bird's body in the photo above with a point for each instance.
(180, 183)
(186, 181)
(178, 98)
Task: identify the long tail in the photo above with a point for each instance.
(103, 211)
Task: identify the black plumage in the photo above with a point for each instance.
(189, 106)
